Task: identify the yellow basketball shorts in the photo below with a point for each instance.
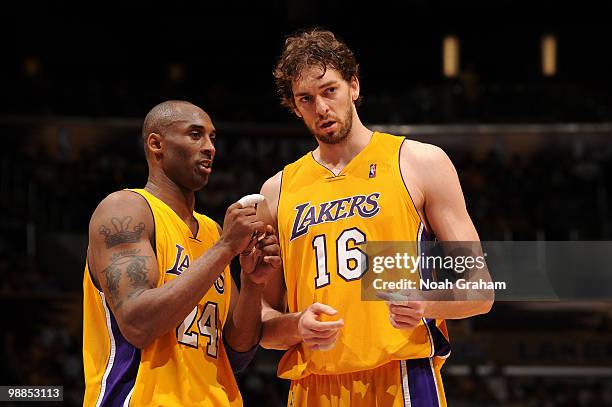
(413, 382)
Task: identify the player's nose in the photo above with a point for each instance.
(207, 147)
(321, 106)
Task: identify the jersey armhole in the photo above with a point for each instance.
(278, 228)
(410, 199)
(88, 267)
(278, 203)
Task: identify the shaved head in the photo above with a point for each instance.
(178, 139)
(163, 115)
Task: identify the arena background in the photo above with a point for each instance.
(533, 153)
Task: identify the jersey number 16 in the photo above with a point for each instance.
(352, 262)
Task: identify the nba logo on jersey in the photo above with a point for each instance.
(372, 170)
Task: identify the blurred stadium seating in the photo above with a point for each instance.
(520, 182)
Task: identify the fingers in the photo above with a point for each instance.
(257, 226)
(268, 240)
(405, 314)
(319, 326)
(234, 212)
(270, 231)
(313, 331)
(274, 261)
(250, 249)
(322, 335)
(406, 308)
(322, 343)
(402, 324)
(233, 207)
(319, 308)
(249, 217)
(236, 209)
(391, 296)
(269, 245)
(405, 319)
(316, 334)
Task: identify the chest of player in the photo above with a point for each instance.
(335, 203)
(202, 328)
(178, 258)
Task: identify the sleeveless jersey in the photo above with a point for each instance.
(322, 220)
(187, 366)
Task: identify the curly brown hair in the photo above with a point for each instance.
(312, 47)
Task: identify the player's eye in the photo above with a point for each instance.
(213, 138)
(305, 99)
(331, 90)
(195, 134)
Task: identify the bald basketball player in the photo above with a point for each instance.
(163, 321)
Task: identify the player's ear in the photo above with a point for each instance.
(354, 85)
(154, 144)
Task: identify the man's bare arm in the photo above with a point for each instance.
(280, 329)
(436, 185)
(243, 328)
(122, 261)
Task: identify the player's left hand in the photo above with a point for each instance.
(262, 257)
(406, 314)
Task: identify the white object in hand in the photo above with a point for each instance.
(250, 200)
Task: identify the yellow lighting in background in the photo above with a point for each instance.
(450, 56)
(549, 55)
(176, 72)
(32, 66)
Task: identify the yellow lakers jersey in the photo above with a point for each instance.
(185, 367)
(323, 220)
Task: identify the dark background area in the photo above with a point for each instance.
(221, 56)
(534, 156)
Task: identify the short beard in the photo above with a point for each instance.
(341, 135)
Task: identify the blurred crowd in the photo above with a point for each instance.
(47, 195)
(464, 99)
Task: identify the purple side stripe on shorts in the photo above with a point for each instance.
(421, 383)
(441, 344)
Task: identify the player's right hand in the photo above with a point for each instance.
(240, 227)
(316, 334)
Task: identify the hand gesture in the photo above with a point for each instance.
(319, 335)
(239, 227)
(405, 314)
(262, 257)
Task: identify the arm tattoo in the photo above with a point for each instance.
(136, 270)
(112, 274)
(122, 233)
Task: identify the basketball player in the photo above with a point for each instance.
(357, 186)
(163, 321)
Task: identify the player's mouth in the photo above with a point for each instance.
(205, 166)
(328, 125)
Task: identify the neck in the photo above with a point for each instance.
(337, 156)
(181, 201)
